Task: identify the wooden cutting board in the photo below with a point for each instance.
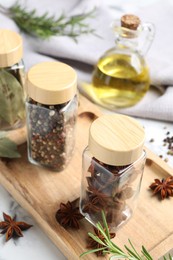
(40, 192)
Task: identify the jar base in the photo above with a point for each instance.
(127, 214)
(32, 161)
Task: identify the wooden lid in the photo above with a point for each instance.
(130, 21)
(11, 49)
(116, 139)
(51, 83)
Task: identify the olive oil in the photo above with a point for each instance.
(121, 77)
(119, 80)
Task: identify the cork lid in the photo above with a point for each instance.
(11, 49)
(116, 139)
(51, 83)
(130, 21)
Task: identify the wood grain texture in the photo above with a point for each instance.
(40, 192)
(51, 82)
(11, 49)
(124, 140)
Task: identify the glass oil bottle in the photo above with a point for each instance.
(121, 76)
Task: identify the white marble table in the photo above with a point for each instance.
(35, 244)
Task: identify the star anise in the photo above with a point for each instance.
(12, 228)
(98, 166)
(164, 187)
(94, 245)
(68, 215)
(91, 206)
(97, 195)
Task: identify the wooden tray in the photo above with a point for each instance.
(40, 192)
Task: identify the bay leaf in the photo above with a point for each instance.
(8, 149)
(3, 134)
(11, 98)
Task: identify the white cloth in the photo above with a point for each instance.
(85, 53)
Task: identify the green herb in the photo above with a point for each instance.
(8, 149)
(45, 25)
(110, 247)
(11, 98)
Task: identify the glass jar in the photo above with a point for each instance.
(121, 76)
(113, 165)
(51, 109)
(12, 107)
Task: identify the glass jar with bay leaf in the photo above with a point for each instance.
(12, 107)
(51, 109)
(113, 166)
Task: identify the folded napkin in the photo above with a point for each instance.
(85, 53)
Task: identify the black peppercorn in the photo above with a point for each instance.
(51, 125)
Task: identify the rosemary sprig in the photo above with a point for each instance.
(110, 247)
(45, 25)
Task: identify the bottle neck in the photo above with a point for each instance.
(127, 43)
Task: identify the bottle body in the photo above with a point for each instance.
(113, 189)
(12, 106)
(51, 133)
(120, 78)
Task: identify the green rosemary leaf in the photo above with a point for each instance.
(118, 249)
(8, 148)
(146, 254)
(118, 257)
(101, 229)
(170, 257)
(92, 251)
(97, 239)
(133, 248)
(112, 248)
(45, 26)
(105, 224)
(131, 253)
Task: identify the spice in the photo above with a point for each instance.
(101, 241)
(113, 164)
(51, 114)
(104, 192)
(168, 141)
(50, 133)
(95, 245)
(12, 228)
(12, 108)
(163, 187)
(68, 215)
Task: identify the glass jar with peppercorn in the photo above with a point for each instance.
(51, 114)
(12, 106)
(113, 166)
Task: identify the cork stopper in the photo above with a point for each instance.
(130, 21)
(51, 83)
(11, 49)
(116, 139)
